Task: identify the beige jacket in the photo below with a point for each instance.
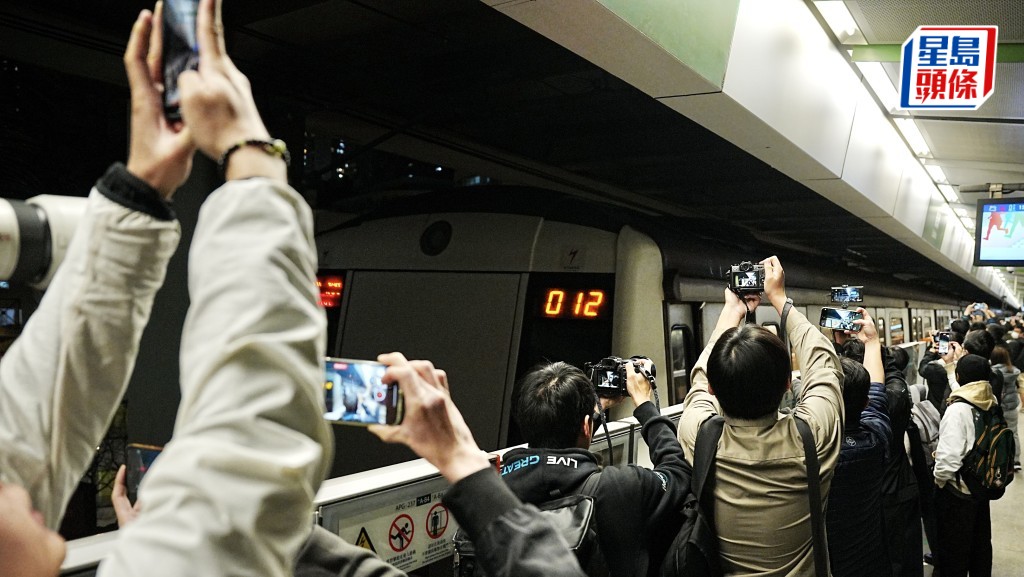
(761, 510)
(232, 493)
(956, 432)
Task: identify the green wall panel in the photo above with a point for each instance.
(697, 32)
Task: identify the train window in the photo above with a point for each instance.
(680, 344)
(895, 331)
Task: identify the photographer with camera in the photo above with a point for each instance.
(761, 480)
(636, 509)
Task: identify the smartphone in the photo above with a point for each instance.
(355, 393)
(839, 319)
(942, 339)
(138, 460)
(979, 306)
(180, 50)
(847, 294)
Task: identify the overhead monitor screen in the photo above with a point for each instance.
(999, 237)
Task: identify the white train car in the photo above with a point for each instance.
(487, 290)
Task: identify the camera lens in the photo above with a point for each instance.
(746, 266)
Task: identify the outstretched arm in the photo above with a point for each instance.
(61, 382)
(511, 539)
(232, 492)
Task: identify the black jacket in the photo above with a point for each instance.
(938, 382)
(854, 520)
(637, 509)
(900, 493)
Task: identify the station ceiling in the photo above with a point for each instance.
(462, 75)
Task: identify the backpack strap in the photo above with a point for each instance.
(589, 486)
(702, 483)
(814, 498)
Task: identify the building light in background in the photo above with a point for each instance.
(908, 128)
(949, 193)
(880, 83)
(936, 173)
(839, 19)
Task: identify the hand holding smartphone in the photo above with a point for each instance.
(355, 393)
(180, 50)
(138, 460)
(839, 319)
(942, 339)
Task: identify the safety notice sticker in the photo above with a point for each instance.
(416, 530)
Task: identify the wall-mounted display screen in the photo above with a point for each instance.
(999, 233)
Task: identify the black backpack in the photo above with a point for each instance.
(988, 467)
(694, 550)
(573, 518)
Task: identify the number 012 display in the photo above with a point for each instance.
(573, 304)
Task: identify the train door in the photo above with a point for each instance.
(681, 348)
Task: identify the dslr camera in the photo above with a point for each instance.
(746, 278)
(609, 375)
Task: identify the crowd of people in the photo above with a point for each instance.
(232, 493)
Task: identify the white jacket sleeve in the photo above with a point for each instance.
(232, 492)
(61, 381)
(956, 436)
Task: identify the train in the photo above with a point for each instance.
(488, 281)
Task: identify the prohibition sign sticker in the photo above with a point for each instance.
(437, 521)
(400, 534)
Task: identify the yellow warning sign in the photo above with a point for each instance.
(364, 540)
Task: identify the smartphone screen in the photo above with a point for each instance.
(138, 460)
(180, 50)
(355, 393)
(839, 319)
(942, 342)
(847, 294)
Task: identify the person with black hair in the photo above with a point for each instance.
(855, 522)
(854, 350)
(964, 523)
(636, 509)
(1009, 400)
(761, 482)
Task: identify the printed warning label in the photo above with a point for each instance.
(363, 540)
(414, 530)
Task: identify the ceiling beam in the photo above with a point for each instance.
(891, 52)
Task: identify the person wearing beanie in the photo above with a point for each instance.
(964, 523)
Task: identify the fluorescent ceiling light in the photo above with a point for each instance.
(839, 19)
(914, 137)
(880, 84)
(948, 192)
(936, 173)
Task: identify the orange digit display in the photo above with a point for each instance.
(586, 303)
(593, 303)
(330, 291)
(553, 306)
